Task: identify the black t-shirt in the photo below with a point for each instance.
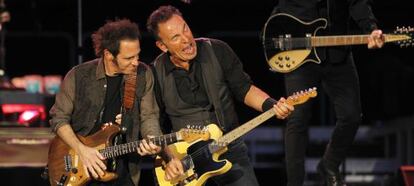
(112, 103)
(112, 98)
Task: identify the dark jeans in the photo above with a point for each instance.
(241, 173)
(341, 84)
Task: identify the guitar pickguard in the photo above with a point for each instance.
(282, 51)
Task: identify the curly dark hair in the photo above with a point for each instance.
(161, 15)
(109, 35)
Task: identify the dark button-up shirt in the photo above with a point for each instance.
(190, 83)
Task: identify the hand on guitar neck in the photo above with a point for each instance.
(282, 108)
(376, 39)
(146, 147)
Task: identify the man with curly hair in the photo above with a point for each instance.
(91, 94)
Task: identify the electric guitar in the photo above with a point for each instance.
(66, 168)
(201, 159)
(290, 42)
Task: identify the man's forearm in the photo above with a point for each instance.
(255, 98)
(66, 133)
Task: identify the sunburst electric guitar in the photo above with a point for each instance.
(201, 159)
(66, 168)
(290, 42)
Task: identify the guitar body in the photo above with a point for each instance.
(287, 58)
(206, 164)
(65, 165)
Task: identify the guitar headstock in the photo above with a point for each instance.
(405, 35)
(302, 96)
(191, 134)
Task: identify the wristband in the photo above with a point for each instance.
(268, 104)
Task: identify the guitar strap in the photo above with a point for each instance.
(128, 99)
(129, 91)
(131, 98)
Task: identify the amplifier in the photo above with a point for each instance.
(24, 147)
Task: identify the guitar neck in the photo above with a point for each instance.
(320, 41)
(248, 126)
(253, 123)
(118, 150)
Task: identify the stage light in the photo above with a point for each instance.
(28, 116)
(23, 114)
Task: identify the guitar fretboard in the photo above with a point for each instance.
(118, 150)
(243, 129)
(339, 40)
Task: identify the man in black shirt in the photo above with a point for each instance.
(338, 77)
(198, 80)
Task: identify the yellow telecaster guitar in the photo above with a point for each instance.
(200, 159)
(290, 42)
(66, 168)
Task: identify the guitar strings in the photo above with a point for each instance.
(126, 147)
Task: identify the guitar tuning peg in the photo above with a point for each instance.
(188, 126)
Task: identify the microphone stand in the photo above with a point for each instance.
(4, 80)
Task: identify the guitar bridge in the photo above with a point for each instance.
(188, 179)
